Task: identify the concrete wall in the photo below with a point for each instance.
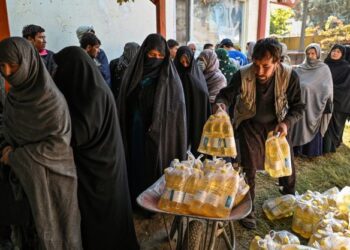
(170, 19)
(114, 24)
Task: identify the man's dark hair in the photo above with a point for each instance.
(31, 30)
(208, 45)
(172, 43)
(266, 46)
(89, 39)
(227, 43)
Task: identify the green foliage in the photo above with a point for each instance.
(320, 10)
(332, 22)
(311, 31)
(339, 34)
(278, 21)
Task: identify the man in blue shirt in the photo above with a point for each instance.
(236, 55)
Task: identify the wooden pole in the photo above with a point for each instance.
(161, 16)
(262, 19)
(4, 31)
(4, 23)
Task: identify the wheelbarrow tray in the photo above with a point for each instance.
(149, 200)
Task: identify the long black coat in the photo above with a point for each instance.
(165, 138)
(196, 95)
(98, 153)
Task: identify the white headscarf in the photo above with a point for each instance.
(81, 30)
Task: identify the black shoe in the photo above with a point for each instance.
(283, 191)
(249, 222)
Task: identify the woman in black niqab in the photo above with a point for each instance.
(152, 114)
(196, 96)
(98, 153)
(38, 128)
(340, 70)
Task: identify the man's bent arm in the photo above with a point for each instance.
(228, 94)
(296, 106)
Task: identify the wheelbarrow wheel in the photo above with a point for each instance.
(192, 241)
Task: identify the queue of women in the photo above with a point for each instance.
(75, 156)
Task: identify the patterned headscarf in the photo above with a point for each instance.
(225, 65)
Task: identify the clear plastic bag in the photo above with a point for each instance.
(296, 247)
(218, 136)
(284, 237)
(343, 200)
(303, 218)
(264, 244)
(280, 207)
(175, 181)
(243, 189)
(277, 156)
(335, 242)
(318, 235)
(330, 220)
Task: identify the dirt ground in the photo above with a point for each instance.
(152, 235)
(151, 232)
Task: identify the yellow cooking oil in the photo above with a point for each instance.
(175, 179)
(191, 188)
(200, 195)
(230, 191)
(215, 191)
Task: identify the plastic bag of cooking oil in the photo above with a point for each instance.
(296, 247)
(284, 237)
(213, 192)
(213, 165)
(335, 242)
(193, 184)
(331, 196)
(175, 181)
(343, 200)
(243, 189)
(230, 187)
(330, 220)
(263, 244)
(318, 235)
(280, 207)
(277, 156)
(303, 218)
(217, 136)
(201, 193)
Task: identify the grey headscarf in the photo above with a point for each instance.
(214, 77)
(312, 63)
(81, 30)
(250, 50)
(37, 125)
(316, 90)
(130, 50)
(284, 54)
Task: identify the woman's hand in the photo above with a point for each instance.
(5, 154)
